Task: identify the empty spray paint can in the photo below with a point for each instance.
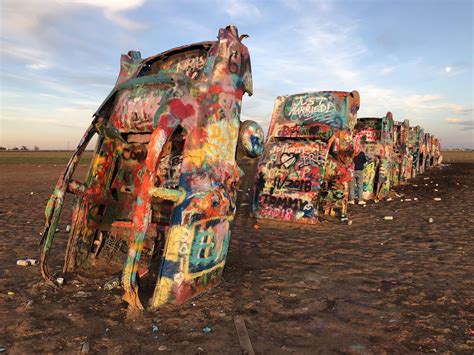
(26, 262)
(110, 285)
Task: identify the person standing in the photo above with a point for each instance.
(358, 179)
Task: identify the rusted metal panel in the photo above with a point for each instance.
(308, 133)
(161, 190)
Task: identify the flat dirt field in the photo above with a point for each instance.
(376, 286)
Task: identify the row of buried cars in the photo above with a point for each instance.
(312, 140)
(159, 199)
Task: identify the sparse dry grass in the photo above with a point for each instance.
(40, 157)
(455, 156)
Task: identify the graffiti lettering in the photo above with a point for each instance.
(301, 185)
(210, 245)
(368, 135)
(296, 204)
(138, 154)
(295, 131)
(311, 159)
(191, 66)
(302, 107)
(278, 213)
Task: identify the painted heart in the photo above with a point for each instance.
(288, 159)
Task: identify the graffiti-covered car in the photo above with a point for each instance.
(339, 164)
(422, 154)
(374, 135)
(414, 142)
(402, 160)
(304, 130)
(427, 150)
(437, 158)
(160, 195)
(433, 146)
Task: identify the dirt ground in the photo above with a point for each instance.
(376, 286)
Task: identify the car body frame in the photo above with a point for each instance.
(307, 132)
(375, 136)
(160, 195)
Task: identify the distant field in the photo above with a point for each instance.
(39, 157)
(453, 156)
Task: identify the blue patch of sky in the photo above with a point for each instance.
(394, 52)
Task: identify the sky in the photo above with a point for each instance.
(59, 59)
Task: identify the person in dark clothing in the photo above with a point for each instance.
(358, 178)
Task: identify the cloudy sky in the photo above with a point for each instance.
(59, 59)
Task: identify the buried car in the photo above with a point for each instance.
(160, 195)
(437, 158)
(432, 146)
(375, 138)
(307, 133)
(402, 160)
(427, 151)
(414, 143)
